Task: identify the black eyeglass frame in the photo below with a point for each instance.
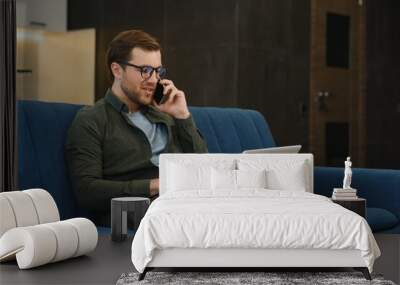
(142, 67)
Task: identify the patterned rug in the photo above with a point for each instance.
(242, 278)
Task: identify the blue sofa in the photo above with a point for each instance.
(42, 128)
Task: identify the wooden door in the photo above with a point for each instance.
(336, 82)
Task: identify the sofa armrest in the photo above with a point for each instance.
(381, 187)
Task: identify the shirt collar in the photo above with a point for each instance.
(115, 102)
(150, 112)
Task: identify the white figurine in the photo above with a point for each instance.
(347, 174)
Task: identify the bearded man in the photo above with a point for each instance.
(113, 147)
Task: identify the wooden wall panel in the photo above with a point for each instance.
(231, 53)
(200, 50)
(274, 43)
(382, 87)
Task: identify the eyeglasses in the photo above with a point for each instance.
(147, 71)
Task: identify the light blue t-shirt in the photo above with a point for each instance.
(156, 134)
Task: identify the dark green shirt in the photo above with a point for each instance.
(109, 157)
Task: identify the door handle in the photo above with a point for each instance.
(321, 98)
(323, 94)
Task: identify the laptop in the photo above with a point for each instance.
(281, 149)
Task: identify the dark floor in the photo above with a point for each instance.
(102, 266)
(106, 264)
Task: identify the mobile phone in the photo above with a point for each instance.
(158, 94)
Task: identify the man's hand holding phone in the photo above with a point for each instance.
(172, 101)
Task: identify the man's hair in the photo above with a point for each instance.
(120, 47)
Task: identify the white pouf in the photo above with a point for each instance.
(31, 231)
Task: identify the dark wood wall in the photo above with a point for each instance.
(383, 88)
(273, 69)
(231, 53)
(255, 54)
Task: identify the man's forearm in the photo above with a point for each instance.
(97, 193)
(190, 138)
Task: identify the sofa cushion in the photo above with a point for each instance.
(380, 219)
(42, 129)
(378, 186)
(394, 230)
(232, 130)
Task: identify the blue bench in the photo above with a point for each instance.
(42, 128)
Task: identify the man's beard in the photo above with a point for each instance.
(133, 96)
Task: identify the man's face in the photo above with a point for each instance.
(135, 87)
